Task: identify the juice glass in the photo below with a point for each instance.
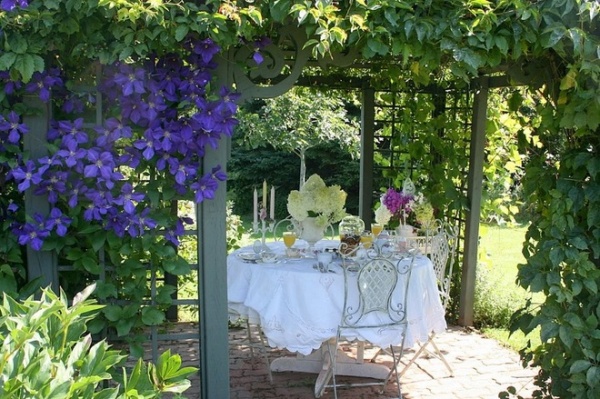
(289, 238)
(376, 228)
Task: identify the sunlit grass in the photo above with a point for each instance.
(500, 253)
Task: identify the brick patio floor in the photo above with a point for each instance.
(482, 369)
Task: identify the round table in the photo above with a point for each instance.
(299, 308)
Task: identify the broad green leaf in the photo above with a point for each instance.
(579, 365)
(7, 60)
(69, 26)
(502, 44)
(17, 43)
(593, 376)
(112, 312)
(181, 32)
(548, 330)
(151, 316)
(25, 64)
(91, 265)
(566, 335)
(124, 326)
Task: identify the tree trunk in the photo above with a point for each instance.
(302, 167)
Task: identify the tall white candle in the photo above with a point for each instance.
(255, 220)
(272, 203)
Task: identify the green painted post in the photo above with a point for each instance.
(365, 201)
(40, 264)
(474, 191)
(212, 285)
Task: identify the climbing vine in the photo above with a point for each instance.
(550, 46)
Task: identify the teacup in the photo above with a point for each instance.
(268, 256)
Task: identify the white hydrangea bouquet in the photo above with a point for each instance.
(316, 199)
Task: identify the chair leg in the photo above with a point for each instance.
(263, 347)
(437, 353)
(395, 370)
(441, 356)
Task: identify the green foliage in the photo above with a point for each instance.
(563, 255)
(552, 46)
(299, 120)
(332, 163)
(46, 353)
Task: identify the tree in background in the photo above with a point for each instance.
(299, 120)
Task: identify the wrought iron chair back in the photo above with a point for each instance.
(443, 254)
(379, 286)
(377, 282)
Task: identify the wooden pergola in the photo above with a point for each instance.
(285, 64)
(289, 52)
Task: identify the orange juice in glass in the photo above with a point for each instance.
(376, 228)
(289, 238)
(366, 239)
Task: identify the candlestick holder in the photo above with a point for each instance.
(266, 225)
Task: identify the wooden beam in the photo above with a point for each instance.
(367, 137)
(212, 284)
(42, 265)
(474, 191)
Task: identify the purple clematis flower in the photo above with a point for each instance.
(43, 82)
(52, 186)
(33, 233)
(101, 163)
(13, 127)
(205, 188)
(139, 223)
(127, 198)
(227, 105)
(26, 175)
(131, 80)
(206, 48)
(147, 146)
(9, 5)
(73, 131)
(72, 155)
(76, 191)
(56, 220)
(10, 86)
(135, 109)
(218, 174)
(172, 235)
(182, 171)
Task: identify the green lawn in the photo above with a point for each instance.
(499, 254)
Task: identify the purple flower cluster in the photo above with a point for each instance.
(9, 5)
(165, 120)
(11, 130)
(397, 202)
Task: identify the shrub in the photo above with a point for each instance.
(46, 353)
(494, 305)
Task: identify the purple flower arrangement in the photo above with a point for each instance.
(397, 202)
(164, 114)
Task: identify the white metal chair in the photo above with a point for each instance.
(249, 341)
(444, 242)
(382, 286)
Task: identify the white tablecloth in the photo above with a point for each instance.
(299, 307)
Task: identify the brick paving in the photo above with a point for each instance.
(482, 368)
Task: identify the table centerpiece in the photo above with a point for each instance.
(401, 208)
(315, 206)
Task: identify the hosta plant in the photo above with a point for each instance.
(47, 353)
